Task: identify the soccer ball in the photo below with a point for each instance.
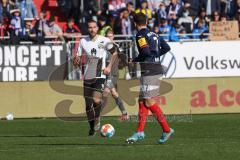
(107, 130)
(9, 116)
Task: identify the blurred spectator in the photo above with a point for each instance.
(144, 9)
(202, 17)
(173, 11)
(236, 7)
(183, 34)
(27, 9)
(155, 29)
(41, 22)
(29, 33)
(5, 7)
(115, 6)
(3, 32)
(211, 6)
(123, 25)
(237, 17)
(199, 31)
(154, 4)
(16, 24)
(223, 18)
(91, 8)
(186, 21)
(161, 13)
(131, 11)
(165, 29)
(71, 30)
(103, 26)
(52, 29)
(215, 16)
(229, 8)
(104, 8)
(174, 33)
(194, 7)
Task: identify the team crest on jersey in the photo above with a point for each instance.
(93, 51)
(142, 42)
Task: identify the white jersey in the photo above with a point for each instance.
(96, 56)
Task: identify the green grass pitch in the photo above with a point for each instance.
(206, 137)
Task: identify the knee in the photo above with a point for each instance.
(106, 92)
(115, 95)
(97, 100)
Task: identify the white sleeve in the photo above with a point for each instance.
(80, 48)
(107, 40)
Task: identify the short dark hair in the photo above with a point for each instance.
(130, 3)
(140, 19)
(91, 21)
(70, 20)
(144, 1)
(124, 9)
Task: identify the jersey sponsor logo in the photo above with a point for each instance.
(142, 42)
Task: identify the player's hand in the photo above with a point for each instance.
(130, 63)
(106, 71)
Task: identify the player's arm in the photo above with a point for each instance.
(164, 47)
(144, 50)
(77, 57)
(112, 49)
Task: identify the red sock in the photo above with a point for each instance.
(142, 117)
(158, 114)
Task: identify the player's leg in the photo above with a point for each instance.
(120, 105)
(142, 118)
(152, 84)
(89, 105)
(97, 101)
(117, 98)
(106, 92)
(97, 105)
(158, 114)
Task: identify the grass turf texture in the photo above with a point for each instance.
(206, 137)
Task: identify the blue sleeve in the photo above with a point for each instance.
(164, 47)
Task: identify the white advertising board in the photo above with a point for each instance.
(203, 59)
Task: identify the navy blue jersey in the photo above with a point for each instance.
(150, 47)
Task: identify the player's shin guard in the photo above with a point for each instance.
(142, 116)
(157, 112)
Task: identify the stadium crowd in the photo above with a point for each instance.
(174, 19)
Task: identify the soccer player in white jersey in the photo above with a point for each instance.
(94, 47)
